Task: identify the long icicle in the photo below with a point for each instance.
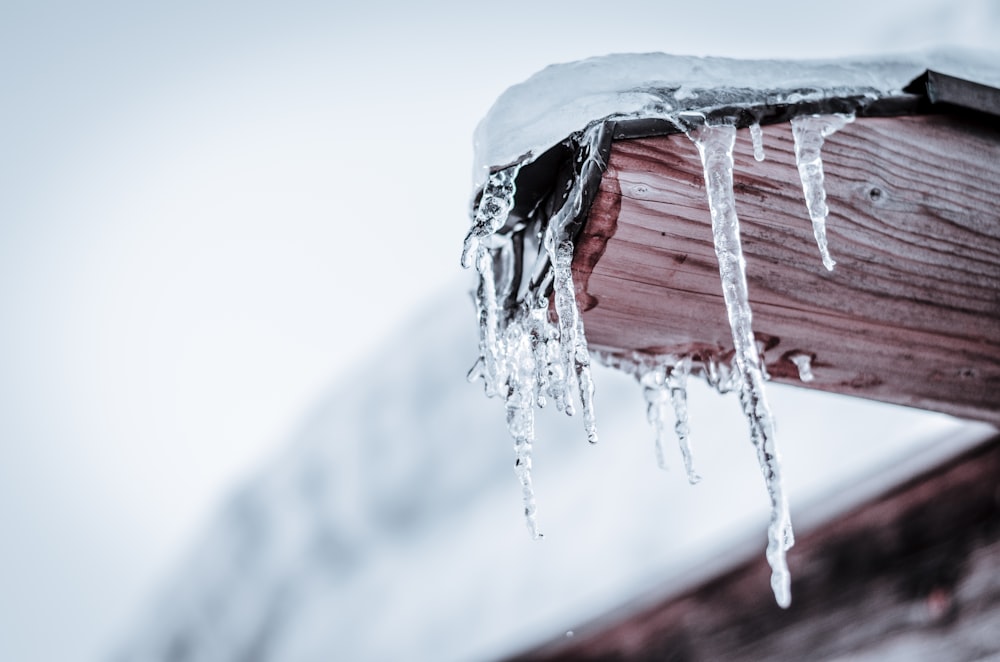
(715, 146)
(574, 354)
(521, 400)
(524, 356)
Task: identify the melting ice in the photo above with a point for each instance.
(664, 387)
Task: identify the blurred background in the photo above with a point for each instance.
(229, 239)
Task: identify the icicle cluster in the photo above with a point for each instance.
(664, 386)
(528, 358)
(525, 356)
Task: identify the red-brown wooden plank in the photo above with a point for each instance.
(911, 313)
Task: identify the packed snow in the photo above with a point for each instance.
(561, 99)
(664, 387)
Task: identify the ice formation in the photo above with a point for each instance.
(530, 353)
(715, 146)
(757, 136)
(804, 364)
(664, 387)
(809, 131)
(525, 356)
(558, 101)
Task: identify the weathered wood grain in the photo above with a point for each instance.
(911, 313)
(914, 574)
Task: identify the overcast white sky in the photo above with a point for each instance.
(209, 210)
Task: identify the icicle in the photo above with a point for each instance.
(804, 363)
(489, 344)
(540, 338)
(524, 356)
(758, 141)
(521, 414)
(573, 353)
(491, 215)
(664, 387)
(657, 395)
(715, 145)
(720, 376)
(677, 383)
(809, 132)
(761, 347)
(492, 212)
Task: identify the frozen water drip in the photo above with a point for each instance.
(525, 357)
(715, 146)
(757, 136)
(809, 132)
(804, 364)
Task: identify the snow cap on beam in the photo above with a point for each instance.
(562, 99)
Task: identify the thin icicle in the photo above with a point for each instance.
(540, 338)
(804, 364)
(715, 145)
(521, 415)
(524, 356)
(720, 376)
(586, 383)
(664, 388)
(657, 396)
(809, 132)
(562, 259)
(758, 141)
(677, 384)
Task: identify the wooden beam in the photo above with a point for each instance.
(915, 574)
(911, 313)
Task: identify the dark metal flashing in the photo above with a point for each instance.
(744, 116)
(958, 93)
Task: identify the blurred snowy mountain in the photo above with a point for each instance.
(391, 527)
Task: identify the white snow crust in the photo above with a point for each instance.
(562, 99)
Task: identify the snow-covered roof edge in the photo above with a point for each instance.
(530, 117)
